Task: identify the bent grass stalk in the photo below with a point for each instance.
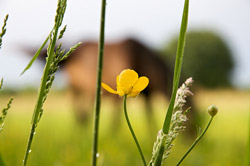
(132, 131)
(51, 67)
(98, 85)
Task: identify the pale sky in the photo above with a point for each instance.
(154, 22)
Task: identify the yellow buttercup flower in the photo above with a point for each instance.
(128, 83)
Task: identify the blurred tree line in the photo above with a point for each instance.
(207, 58)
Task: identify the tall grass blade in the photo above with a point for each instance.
(35, 56)
(178, 65)
(159, 153)
(51, 66)
(98, 84)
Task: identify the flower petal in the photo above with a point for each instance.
(141, 84)
(107, 88)
(134, 93)
(127, 79)
(118, 87)
(117, 82)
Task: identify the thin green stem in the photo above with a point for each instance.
(28, 149)
(132, 131)
(98, 85)
(195, 142)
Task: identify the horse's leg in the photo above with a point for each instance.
(149, 112)
(81, 106)
(116, 115)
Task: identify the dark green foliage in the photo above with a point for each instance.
(1, 161)
(208, 59)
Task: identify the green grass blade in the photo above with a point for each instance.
(178, 65)
(35, 56)
(98, 84)
(50, 52)
(48, 75)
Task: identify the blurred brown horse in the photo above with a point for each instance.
(130, 53)
(81, 68)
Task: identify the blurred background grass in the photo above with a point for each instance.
(61, 141)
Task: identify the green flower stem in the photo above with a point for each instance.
(98, 85)
(195, 142)
(131, 130)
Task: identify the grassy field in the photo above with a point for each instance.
(61, 141)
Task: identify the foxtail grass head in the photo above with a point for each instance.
(3, 29)
(128, 83)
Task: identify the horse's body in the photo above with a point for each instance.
(128, 54)
(81, 68)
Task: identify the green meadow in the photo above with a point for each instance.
(61, 141)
